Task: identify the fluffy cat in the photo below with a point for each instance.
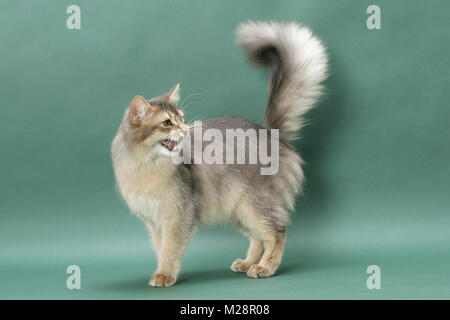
(173, 199)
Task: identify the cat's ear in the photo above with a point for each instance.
(139, 109)
(173, 96)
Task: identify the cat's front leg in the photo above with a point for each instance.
(175, 235)
(155, 235)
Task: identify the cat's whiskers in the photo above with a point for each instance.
(194, 125)
(182, 106)
(190, 103)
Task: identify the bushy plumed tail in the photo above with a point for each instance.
(298, 64)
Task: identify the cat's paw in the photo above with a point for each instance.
(257, 271)
(240, 265)
(161, 280)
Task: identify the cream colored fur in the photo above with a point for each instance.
(173, 200)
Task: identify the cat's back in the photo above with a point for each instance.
(230, 122)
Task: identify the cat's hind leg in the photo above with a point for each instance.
(254, 253)
(271, 259)
(267, 238)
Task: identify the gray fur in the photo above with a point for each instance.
(298, 64)
(271, 196)
(177, 198)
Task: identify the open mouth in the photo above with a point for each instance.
(169, 144)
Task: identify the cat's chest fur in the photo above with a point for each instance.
(148, 190)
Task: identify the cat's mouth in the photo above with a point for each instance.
(169, 144)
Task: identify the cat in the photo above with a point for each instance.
(173, 199)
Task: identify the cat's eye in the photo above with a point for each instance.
(167, 123)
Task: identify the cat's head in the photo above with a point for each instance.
(157, 125)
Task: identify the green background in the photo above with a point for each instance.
(377, 147)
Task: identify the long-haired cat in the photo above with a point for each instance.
(174, 198)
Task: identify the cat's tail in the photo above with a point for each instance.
(298, 64)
